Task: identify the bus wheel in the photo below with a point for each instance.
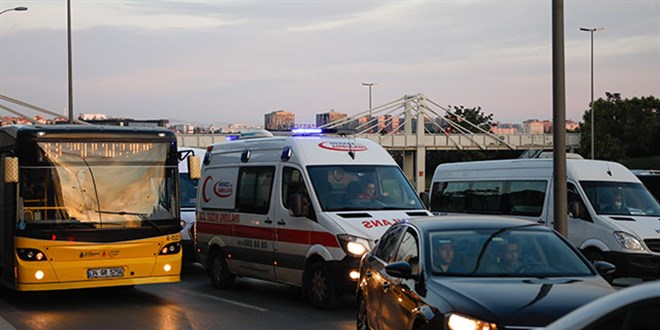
(320, 289)
(219, 272)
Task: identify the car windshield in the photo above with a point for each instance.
(620, 198)
(511, 252)
(94, 185)
(362, 187)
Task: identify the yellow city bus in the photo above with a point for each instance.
(88, 206)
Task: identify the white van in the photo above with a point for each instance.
(628, 236)
(291, 210)
(188, 200)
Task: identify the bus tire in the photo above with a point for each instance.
(219, 273)
(319, 287)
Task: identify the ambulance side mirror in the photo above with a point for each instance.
(295, 203)
(194, 167)
(11, 170)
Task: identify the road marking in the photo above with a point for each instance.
(229, 301)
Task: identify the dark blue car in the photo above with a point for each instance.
(473, 272)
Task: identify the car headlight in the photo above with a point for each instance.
(628, 241)
(462, 322)
(352, 245)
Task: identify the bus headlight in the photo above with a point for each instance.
(39, 275)
(31, 255)
(352, 245)
(628, 241)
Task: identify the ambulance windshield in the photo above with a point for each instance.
(362, 187)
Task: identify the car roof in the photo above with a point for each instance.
(468, 221)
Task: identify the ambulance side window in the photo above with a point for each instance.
(254, 187)
(293, 182)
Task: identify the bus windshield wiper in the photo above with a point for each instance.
(143, 217)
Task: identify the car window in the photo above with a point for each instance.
(512, 252)
(642, 315)
(387, 243)
(408, 250)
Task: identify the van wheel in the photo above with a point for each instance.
(593, 255)
(319, 287)
(219, 272)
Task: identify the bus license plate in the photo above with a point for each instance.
(105, 272)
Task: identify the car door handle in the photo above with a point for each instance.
(268, 220)
(540, 221)
(281, 222)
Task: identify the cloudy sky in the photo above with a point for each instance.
(233, 61)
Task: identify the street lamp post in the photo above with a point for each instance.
(592, 30)
(13, 9)
(68, 21)
(369, 84)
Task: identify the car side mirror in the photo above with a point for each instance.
(424, 196)
(400, 269)
(604, 268)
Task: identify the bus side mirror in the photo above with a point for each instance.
(194, 167)
(424, 196)
(11, 170)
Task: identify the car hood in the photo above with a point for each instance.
(525, 302)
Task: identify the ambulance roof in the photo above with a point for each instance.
(308, 150)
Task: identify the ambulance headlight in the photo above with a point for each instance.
(628, 241)
(352, 245)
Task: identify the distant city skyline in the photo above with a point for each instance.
(234, 62)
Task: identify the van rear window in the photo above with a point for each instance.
(520, 197)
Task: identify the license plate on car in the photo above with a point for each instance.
(105, 272)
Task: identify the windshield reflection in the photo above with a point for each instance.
(82, 184)
(362, 187)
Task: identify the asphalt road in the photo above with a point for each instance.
(190, 304)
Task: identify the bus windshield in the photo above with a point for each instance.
(362, 187)
(98, 185)
(620, 198)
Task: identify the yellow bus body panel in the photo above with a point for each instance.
(67, 263)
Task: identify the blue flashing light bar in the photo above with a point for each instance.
(306, 131)
(231, 137)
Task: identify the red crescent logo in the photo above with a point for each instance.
(342, 146)
(206, 199)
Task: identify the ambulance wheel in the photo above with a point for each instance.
(219, 272)
(320, 288)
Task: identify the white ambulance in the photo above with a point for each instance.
(188, 198)
(612, 216)
(300, 210)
